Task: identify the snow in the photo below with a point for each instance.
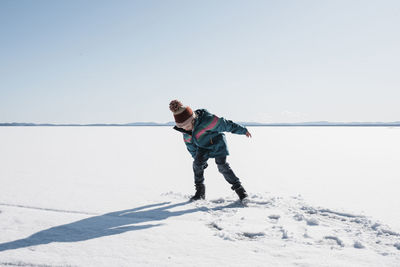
(118, 196)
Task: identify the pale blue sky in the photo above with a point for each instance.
(269, 61)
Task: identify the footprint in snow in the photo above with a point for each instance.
(274, 218)
(251, 235)
(312, 222)
(336, 239)
(215, 225)
(358, 244)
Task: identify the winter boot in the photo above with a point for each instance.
(200, 192)
(242, 194)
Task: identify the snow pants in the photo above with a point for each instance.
(200, 163)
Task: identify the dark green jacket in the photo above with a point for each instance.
(207, 137)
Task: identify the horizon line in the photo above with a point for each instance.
(171, 123)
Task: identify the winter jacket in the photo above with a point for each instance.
(207, 137)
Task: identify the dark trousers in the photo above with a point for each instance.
(200, 163)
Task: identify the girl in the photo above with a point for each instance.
(202, 133)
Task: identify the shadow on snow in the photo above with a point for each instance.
(104, 225)
(107, 225)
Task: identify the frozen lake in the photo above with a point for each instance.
(354, 168)
(95, 170)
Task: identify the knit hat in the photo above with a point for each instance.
(183, 114)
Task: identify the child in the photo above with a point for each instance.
(202, 133)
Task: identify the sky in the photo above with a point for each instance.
(71, 61)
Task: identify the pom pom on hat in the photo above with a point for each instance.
(175, 105)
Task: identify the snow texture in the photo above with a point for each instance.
(97, 197)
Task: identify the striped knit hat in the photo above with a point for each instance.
(183, 114)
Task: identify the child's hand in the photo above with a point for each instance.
(248, 134)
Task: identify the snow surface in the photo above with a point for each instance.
(118, 196)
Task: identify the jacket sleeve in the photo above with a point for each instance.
(191, 147)
(224, 125)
